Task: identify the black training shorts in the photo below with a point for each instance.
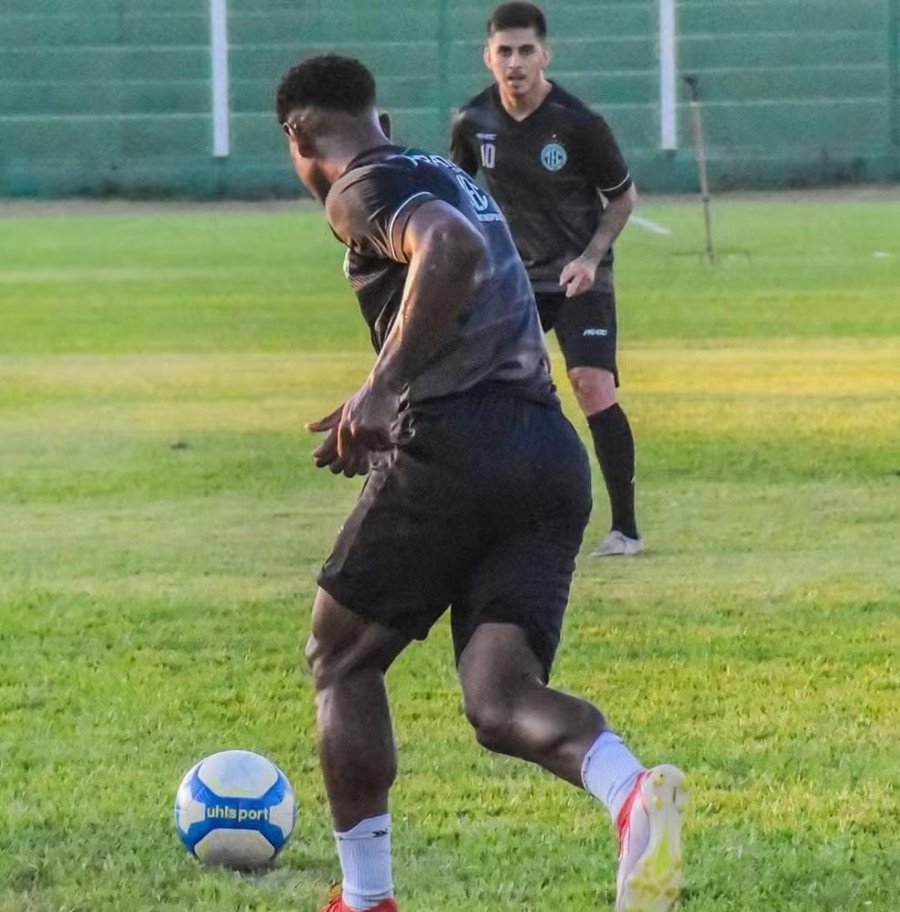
(483, 510)
(585, 325)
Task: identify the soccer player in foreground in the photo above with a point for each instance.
(546, 159)
(456, 427)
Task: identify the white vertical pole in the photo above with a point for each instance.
(218, 20)
(668, 122)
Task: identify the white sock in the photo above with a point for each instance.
(365, 853)
(609, 771)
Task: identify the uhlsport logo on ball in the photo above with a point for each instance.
(235, 809)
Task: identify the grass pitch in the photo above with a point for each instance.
(161, 523)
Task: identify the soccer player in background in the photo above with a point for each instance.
(555, 170)
(455, 426)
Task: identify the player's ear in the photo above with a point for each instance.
(548, 54)
(384, 121)
(301, 141)
(487, 56)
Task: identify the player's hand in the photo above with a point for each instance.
(325, 455)
(328, 422)
(366, 426)
(578, 276)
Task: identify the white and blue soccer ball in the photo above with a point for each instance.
(235, 809)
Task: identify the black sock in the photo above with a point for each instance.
(614, 445)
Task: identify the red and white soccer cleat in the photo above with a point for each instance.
(650, 859)
(337, 904)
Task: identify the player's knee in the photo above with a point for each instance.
(494, 726)
(329, 662)
(499, 718)
(321, 662)
(337, 644)
(594, 389)
(343, 645)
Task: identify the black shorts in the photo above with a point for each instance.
(482, 510)
(585, 325)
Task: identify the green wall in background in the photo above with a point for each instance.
(112, 97)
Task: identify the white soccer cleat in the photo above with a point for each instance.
(650, 859)
(618, 543)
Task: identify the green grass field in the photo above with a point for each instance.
(161, 523)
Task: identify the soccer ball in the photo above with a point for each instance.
(235, 809)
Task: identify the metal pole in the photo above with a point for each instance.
(693, 82)
(893, 57)
(668, 102)
(221, 112)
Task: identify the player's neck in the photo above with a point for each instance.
(335, 154)
(351, 144)
(521, 106)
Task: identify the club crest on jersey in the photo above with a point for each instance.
(554, 156)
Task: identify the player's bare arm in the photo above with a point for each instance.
(444, 253)
(578, 276)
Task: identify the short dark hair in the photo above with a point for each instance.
(328, 81)
(517, 15)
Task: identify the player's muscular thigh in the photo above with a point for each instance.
(341, 643)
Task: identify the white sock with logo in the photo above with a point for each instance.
(609, 771)
(365, 853)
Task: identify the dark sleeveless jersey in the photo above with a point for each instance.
(545, 173)
(498, 339)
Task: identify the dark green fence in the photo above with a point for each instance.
(113, 97)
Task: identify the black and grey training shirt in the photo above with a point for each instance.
(545, 172)
(498, 339)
